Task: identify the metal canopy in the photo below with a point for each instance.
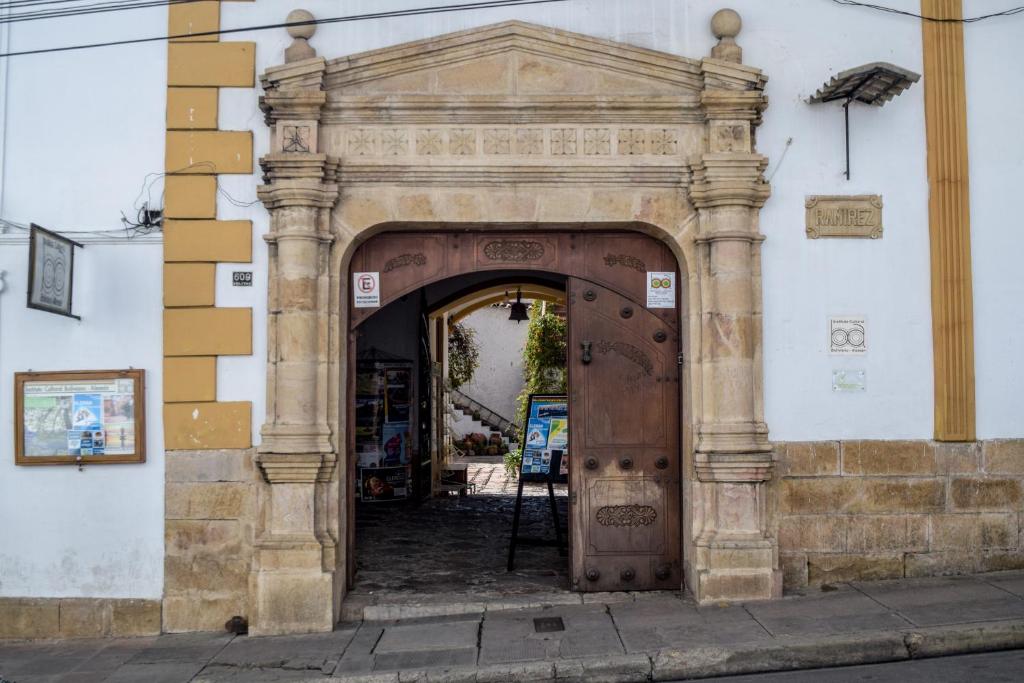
(875, 83)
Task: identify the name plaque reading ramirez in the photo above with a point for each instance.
(844, 216)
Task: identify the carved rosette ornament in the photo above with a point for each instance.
(627, 515)
(515, 251)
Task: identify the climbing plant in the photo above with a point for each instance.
(463, 354)
(544, 366)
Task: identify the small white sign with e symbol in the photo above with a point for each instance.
(847, 335)
(661, 290)
(366, 290)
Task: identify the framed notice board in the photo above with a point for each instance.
(546, 440)
(86, 417)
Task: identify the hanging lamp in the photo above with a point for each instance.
(518, 312)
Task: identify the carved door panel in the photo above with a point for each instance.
(624, 441)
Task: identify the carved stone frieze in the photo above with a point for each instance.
(597, 141)
(497, 141)
(296, 138)
(632, 141)
(561, 141)
(395, 142)
(429, 142)
(462, 141)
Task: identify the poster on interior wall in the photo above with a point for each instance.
(395, 443)
(79, 417)
(51, 268)
(381, 484)
(546, 440)
(397, 394)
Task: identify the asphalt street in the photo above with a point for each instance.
(990, 667)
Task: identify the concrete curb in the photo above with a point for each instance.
(788, 654)
(783, 654)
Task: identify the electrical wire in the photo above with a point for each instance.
(147, 220)
(11, 17)
(969, 20)
(439, 9)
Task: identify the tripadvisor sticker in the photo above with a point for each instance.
(661, 290)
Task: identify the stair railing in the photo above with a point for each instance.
(504, 425)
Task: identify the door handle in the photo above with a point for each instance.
(586, 358)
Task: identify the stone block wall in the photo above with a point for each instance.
(210, 513)
(78, 618)
(868, 510)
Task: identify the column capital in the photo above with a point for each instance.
(298, 180)
(292, 439)
(292, 105)
(734, 467)
(729, 179)
(733, 105)
(733, 439)
(294, 468)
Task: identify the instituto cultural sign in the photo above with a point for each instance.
(844, 216)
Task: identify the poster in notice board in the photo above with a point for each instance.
(79, 417)
(546, 441)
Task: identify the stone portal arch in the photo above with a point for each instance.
(525, 129)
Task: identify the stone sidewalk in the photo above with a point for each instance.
(606, 637)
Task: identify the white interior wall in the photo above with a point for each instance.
(82, 131)
(499, 379)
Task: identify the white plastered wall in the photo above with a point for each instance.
(800, 44)
(995, 96)
(82, 130)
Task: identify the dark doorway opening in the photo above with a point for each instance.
(435, 498)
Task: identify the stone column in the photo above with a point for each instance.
(735, 558)
(292, 578)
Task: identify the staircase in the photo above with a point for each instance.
(469, 416)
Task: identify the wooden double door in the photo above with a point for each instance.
(624, 383)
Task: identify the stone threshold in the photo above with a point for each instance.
(360, 607)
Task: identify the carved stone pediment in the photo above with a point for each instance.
(507, 66)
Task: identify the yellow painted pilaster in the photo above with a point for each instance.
(949, 221)
(195, 330)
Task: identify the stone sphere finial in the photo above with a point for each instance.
(305, 31)
(300, 48)
(726, 25)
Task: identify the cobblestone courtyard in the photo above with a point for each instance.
(457, 546)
